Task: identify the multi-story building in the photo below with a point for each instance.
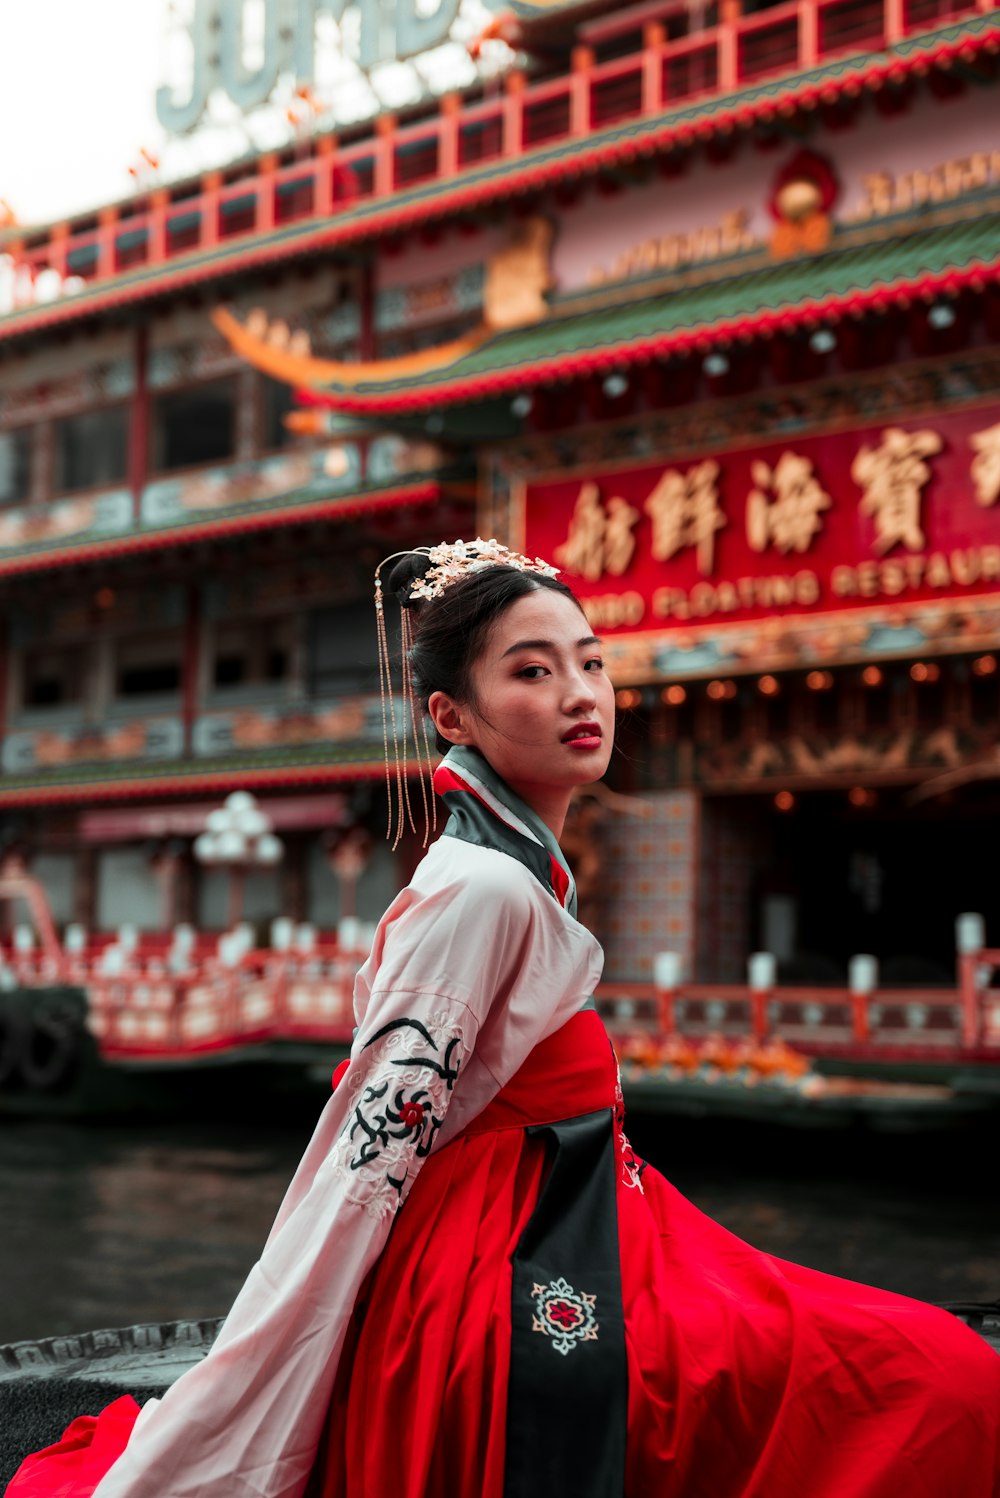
(703, 303)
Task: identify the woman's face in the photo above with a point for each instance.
(542, 709)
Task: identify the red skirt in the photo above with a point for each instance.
(747, 1377)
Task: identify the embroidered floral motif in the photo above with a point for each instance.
(632, 1165)
(395, 1115)
(563, 1315)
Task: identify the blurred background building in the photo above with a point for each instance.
(700, 300)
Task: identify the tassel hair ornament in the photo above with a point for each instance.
(432, 570)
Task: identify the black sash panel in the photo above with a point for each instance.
(567, 1405)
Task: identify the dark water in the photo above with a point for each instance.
(105, 1226)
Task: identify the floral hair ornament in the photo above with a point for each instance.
(439, 567)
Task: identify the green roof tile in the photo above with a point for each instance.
(724, 300)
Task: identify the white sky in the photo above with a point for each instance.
(78, 81)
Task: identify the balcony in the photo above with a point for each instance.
(170, 228)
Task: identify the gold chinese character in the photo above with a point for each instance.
(599, 540)
(791, 519)
(685, 512)
(892, 476)
(986, 465)
(619, 542)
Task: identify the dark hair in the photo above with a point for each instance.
(451, 630)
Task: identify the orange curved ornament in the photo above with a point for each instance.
(307, 372)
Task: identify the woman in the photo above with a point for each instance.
(473, 1287)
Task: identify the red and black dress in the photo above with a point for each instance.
(475, 1288)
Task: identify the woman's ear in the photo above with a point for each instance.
(448, 718)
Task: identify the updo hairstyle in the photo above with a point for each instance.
(451, 630)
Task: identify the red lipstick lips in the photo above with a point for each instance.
(583, 735)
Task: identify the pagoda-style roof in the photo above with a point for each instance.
(748, 296)
(377, 188)
(294, 766)
(297, 507)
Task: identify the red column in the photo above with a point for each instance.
(653, 37)
(156, 249)
(211, 184)
(107, 219)
(385, 155)
(323, 170)
(266, 189)
(513, 114)
(579, 104)
(729, 44)
(59, 248)
(808, 33)
(968, 963)
(451, 107)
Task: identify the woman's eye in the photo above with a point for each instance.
(531, 673)
(595, 664)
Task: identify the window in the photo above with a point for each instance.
(148, 666)
(342, 651)
(57, 874)
(129, 892)
(276, 402)
(91, 449)
(262, 897)
(15, 465)
(252, 654)
(985, 698)
(52, 677)
(196, 425)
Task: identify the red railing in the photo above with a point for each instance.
(921, 1022)
(145, 1009)
(150, 1011)
(525, 116)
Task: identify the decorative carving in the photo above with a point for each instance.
(519, 276)
(804, 194)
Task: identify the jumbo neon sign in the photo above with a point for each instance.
(387, 31)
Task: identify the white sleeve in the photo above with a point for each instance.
(246, 1422)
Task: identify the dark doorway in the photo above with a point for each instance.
(887, 877)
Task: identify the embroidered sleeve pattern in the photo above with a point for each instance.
(397, 1110)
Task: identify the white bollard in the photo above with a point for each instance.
(305, 938)
(24, 939)
(229, 951)
(183, 938)
(862, 973)
(128, 938)
(349, 934)
(970, 934)
(762, 971)
(667, 970)
(282, 933)
(111, 963)
(75, 938)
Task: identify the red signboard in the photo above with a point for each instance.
(895, 513)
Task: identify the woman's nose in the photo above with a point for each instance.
(581, 692)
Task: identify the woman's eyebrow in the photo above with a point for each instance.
(546, 645)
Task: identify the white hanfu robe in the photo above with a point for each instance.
(473, 964)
